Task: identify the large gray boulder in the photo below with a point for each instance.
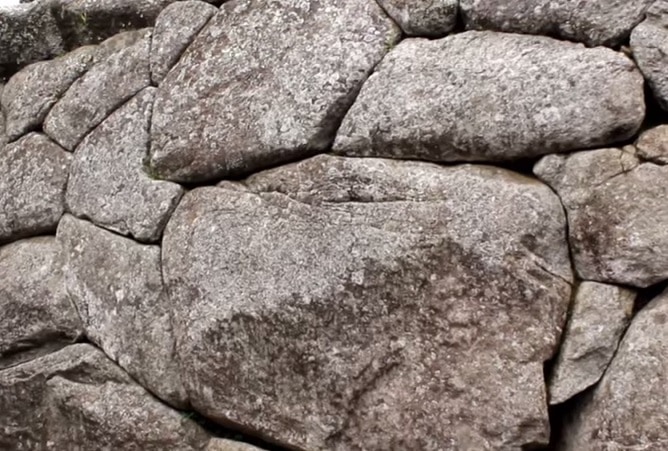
(486, 96)
(37, 315)
(371, 304)
(33, 176)
(99, 92)
(117, 287)
(649, 43)
(595, 23)
(176, 27)
(265, 83)
(77, 399)
(617, 209)
(432, 18)
(628, 409)
(598, 318)
(107, 182)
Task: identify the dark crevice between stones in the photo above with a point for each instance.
(654, 114)
(561, 415)
(646, 295)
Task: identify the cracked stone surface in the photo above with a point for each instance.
(105, 87)
(33, 177)
(598, 318)
(37, 315)
(434, 100)
(617, 214)
(649, 43)
(265, 83)
(176, 27)
(371, 304)
(117, 287)
(108, 184)
(628, 409)
(607, 23)
(431, 18)
(77, 398)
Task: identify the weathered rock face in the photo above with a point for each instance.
(241, 98)
(617, 211)
(598, 318)
(229, 445)
(33, 175)
(175, 29)
(37, 315)
(77, 399)
(116, 285)
(628, 409)
(105, 86)
(653, 145)
(594, 23)
(649, 42)
(336, 304)
(434, 100)
(107, 182)
(423, 17)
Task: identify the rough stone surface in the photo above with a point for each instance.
(617, 213)
(595, 23)
(481, 96)
(33, 176)
(175, 29)
(598, 318)
(107, 182)
(105, 87)
(653, 145)
(37, 315)
(371, 304)
(218, 444)
(265, 83)
(78, 399)
(3, 136)
(432, 18)
(116, 285)
(649, 43)
(628, 409)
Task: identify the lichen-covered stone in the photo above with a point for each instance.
(33, 176)
(117, 287)
(486, 96)
(176, 27)
(617, 214)
(649, 43)
(652, 145)
(37, 315)
(433, 18)
(98, 93)
(108, 184)
(371, 304)
(599, 316)
(628, 408)
(265, 83)
(595, 23)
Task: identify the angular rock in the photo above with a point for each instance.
(371, 304)
(265, 83)
(485, 96)
(33, 177)
(107, 182)
(219, 444)
(617, 214)
(649, 43)
(628, 409)
(653, 145)
(37, 315)
(104, 87)
(599, 316)
(423, 17)
(176, 27)
(606, 23)
(30, 94)
(78, 399)
(117, 287)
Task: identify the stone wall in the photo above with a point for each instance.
(334, 225)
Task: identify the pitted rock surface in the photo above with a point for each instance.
(265, 83)
(433, 18)
(336, 304)
(485, 96)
